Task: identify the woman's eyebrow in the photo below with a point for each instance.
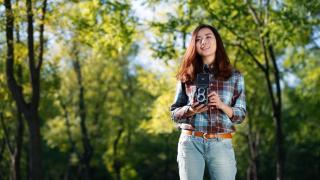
(205, 35)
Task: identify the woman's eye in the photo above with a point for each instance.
(197, 39)
(208, 37)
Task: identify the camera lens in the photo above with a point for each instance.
(200, 98)
(201, 90)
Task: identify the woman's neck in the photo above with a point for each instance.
(208, 59)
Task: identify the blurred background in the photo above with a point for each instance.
(86, 85)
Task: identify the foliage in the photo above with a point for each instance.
(127, 105)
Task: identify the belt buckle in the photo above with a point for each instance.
(204, 136)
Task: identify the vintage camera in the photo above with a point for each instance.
(202, 86)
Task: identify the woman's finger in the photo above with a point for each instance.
(204, 109)
(212, 104)
(211, 94)
(199, 107)
(215, 94)
(195, 104)
(212, 99)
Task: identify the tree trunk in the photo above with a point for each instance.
(20, 125)
(252, 171)
(14, 151)
(253, 140)
(68, 173)
(88, 150)
(117, 164)
(277, 116)
(2, 147)
(16, 164)
(35, 163)
(29, 110)
(280, 148)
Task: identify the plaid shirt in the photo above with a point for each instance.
(231, 92)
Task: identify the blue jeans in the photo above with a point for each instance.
(194, 152)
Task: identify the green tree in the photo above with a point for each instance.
(256, 35)
(29, 109)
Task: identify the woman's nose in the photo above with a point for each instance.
(203, 42)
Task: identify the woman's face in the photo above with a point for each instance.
(206, 43)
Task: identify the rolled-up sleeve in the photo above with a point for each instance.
(239, 102)
(180, 105)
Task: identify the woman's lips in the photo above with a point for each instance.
(204, 49)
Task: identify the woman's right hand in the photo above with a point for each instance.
(198, 108)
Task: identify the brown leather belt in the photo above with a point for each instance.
(207, 135)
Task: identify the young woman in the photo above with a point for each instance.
(206, 129)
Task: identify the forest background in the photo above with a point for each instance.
(86, 85)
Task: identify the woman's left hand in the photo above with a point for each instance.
(214, 100)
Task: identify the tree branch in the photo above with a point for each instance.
(41, 41)
(265, 54)
(247, 51)
(6, 135)
(70, 138)
(2, 147)
(13, 86)
(254, 14)
(30, 41)
(277, 76)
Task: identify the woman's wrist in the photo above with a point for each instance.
(226, 109)
(222, 106)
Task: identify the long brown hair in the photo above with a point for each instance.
(192, 63)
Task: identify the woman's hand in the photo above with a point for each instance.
(198, 108)
(214, 100)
